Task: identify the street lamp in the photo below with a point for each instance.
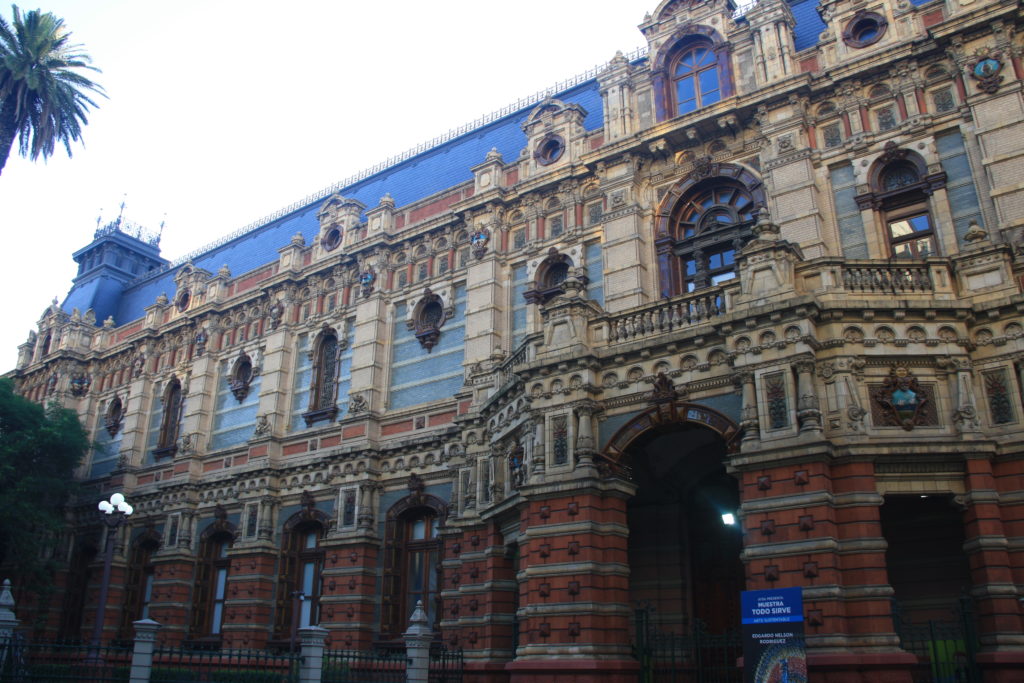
(115, 513)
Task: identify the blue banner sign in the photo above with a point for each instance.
(773, 636)
(780, 606)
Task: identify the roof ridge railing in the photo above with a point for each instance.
(519, 104)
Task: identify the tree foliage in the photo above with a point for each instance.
(44, 97)
(39, 451)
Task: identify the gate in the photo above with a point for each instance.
(946, 649)
(698, 657)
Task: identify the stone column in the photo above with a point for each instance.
(417, 646)
(311, 660)
(808, 412)
(585, 438)
(142, 652)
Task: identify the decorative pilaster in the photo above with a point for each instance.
(808, 413)
(749, 421)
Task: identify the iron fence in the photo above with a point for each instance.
(946, 649)
(22, 661)
(180, 665)
(697, 657)
(445, 666)
(355, 666)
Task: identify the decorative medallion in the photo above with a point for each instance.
(478, 241)
(366, 280)
(80, 385)
(986, 72)
(902, 399)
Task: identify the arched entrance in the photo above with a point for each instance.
(684, 548)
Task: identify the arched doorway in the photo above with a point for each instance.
(684, 547)
(684, 558)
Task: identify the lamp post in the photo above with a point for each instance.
(115, 513)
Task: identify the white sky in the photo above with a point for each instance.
(222, 112)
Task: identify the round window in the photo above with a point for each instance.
(549, 150)
(865, 28)
(332, 239)
(181, 302)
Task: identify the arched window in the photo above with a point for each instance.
(702, 223)
(412, 560)
(696, 78)
(211, 585)
(691, 71)
(323, 395)
(167, 442)
(300, 578)
(900, 191)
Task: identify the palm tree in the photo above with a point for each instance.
(43, 95)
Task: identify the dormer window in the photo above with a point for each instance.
(695, 78)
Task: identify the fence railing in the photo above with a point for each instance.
(887, 278)
(22, 661)
(356, 666)
(177, 665)
(946, 649)
(666, 316)
(445, 666)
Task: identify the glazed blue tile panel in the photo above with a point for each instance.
(963, 198)
(300, 387)
(233, 422)
(344, 380)
(808, 24)
(852, 238)
(155, 413)
(106, 450)
(519, 311)
(418, 376)
(420, 176)
(595, 272)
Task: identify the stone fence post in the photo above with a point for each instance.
(417, 646)
(8, 623)
(142, 652)
(311, 657)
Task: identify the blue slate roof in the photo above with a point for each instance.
(408, 181)
(415, 178)
(808, 23)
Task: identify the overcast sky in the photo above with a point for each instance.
(220, 113)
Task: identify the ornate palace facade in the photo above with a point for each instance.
(769, 266)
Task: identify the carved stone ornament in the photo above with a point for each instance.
(80, 385)
(357, 404)
(901, 399)
(113, 417)
(417, 489)
(985, 70)
(478, 241)
(892, 152)
(242, 374)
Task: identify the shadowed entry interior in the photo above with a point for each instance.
(684, 560)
